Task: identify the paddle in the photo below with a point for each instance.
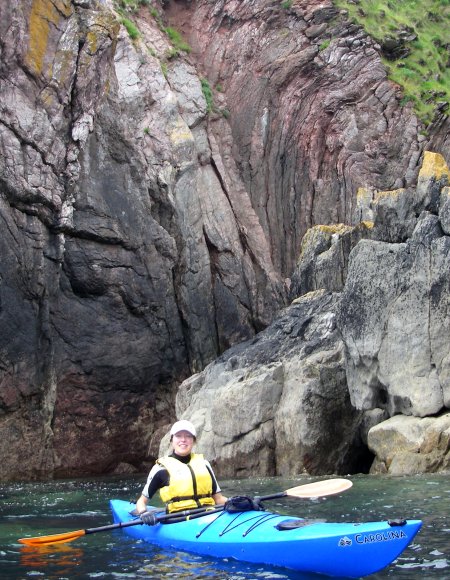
(69, 536)
(316, 489)
(307, 491)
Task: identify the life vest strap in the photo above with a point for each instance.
(189, 497)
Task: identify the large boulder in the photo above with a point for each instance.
(408, 445)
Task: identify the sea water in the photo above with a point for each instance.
(39, 509)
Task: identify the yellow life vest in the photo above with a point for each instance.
(190, 484)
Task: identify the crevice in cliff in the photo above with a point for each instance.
(92, 236)
(243, 433)
(434, 365)
(242, 237)
(48, 378)
(184, 323)
(213, 256)
(259, 271)
(74, 106)
(217, 274)
(221, 181)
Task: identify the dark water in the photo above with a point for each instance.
(37, 509)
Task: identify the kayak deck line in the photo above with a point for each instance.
(349, 549)
(260, 518)
(259, 522)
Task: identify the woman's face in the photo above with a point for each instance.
(182, 443)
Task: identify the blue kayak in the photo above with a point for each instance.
(262, 537)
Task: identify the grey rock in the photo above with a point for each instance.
(384, 319)
(277, 403)
(371, 418)
(324, 255)
(444, 210)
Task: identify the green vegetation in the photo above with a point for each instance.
(154, 13)
(133, 32)
(286, 4)
(209, 98)
(126, 8)
(130, 5)
(179, 45)
(207, 93)
(419, 30)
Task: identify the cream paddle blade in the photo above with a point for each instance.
(320, 488)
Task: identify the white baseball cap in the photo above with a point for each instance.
(183, 425)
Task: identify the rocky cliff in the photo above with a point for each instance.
(354, 375)
(147, 229)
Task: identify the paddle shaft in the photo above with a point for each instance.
(273, 496)
(183, 515)
(175, 516)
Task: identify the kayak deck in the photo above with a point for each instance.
(333, 549)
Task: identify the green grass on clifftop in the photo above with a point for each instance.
(421, 31)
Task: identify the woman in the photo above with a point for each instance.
(185, 480)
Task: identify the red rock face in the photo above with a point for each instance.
(312, 114)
